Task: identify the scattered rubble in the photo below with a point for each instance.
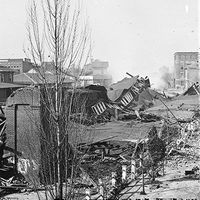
(137, 134)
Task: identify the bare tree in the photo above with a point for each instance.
(57, 31)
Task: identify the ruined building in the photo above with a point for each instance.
(186, 69)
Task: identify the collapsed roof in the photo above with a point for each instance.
(193, 90)
(128, 95)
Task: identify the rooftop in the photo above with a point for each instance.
(35, 78)
(14, 59)
(97, 64)
(186, 53)
(10, 85)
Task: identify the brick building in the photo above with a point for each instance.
(186, 69)
(6, 75)
(6, 84)
(19, 65)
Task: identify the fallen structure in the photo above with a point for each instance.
(119, 131)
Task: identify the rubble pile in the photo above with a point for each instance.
(178, 117)
(131, 133)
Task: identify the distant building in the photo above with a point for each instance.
(6, 84)
(85, 81)
(20, 65)
(186, 69)
(48, 67)
(99, 70)
(6, 75)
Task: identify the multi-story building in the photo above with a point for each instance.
(186, 69)
(6, 84)
(99, 70)
(19, 65)
(6, 75)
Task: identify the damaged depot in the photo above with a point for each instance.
(118, 142)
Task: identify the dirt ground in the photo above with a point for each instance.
(174, 183)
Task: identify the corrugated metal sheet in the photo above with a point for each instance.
(120, 131)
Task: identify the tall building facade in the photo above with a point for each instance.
(19, 65)
(186, 69)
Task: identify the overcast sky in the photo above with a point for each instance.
(135, 36)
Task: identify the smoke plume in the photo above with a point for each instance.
(166, 77)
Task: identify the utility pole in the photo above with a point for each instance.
(15, 134)
(15, 137)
